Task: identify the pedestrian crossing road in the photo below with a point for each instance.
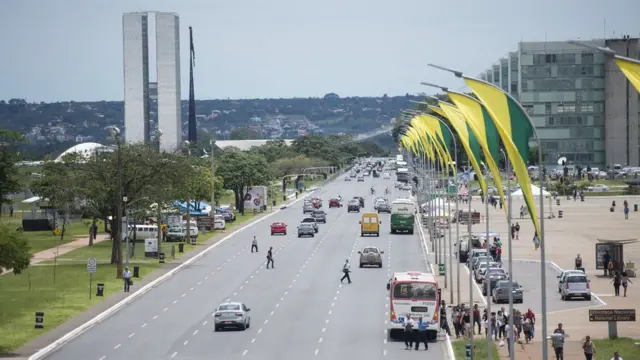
(299, 310)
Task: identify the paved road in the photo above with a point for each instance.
(299, 309)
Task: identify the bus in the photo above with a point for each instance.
(402, 216)
(399, 157)
(414, 293)
(402, 175)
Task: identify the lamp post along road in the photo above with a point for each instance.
(510, 261)
(487, 278)
(213, 178)
(158, 207)
(188, 232)
(469, 265)
(115, 133)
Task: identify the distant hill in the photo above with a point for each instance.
(53, 127)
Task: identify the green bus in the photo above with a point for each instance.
(402, 216)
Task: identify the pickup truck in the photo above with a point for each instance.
(179, 234)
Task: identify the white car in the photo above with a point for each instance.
(563, 277)
(598, 188)
(482, 269)
(576, 285)
(386, 176)
(232, 314)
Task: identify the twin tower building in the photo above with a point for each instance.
(140, 91)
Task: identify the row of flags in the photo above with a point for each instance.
(481, 123)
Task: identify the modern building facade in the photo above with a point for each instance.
(139, 88)
(581, 104)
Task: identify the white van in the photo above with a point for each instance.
(576, 286)
(144, 231)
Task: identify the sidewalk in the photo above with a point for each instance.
(52, 253)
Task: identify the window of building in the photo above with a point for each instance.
(586, 58)
(550, 121)
(586, 108)
(528, 109)
(550, 58)
(586, 70)
(566, 108)
(514, 87)
(547, 108)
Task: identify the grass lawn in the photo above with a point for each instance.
(480, 347)
(43, 240)
(625, 346)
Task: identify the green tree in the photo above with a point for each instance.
(244, 133)
(9, 179)
(274, 150)
(240, 170)
(15, 252)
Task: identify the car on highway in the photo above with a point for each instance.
(370, 255)
(481, 270)
(384, 208)
(360, 200)
(312, 221)
(562, 278)
(576, 286)
(476, 261)
(494, 275)
(379, 201)
(501, 292)
(347, 179)
(232, 314)
(334, 202)
(360, 178)
(320, 216)
(353, 174)
(306, 229)
(279, 228)
(308, 207)
(353, 205)
(406, 187)
(386, 176)
(317, 202)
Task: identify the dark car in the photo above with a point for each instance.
(306, 229)
(334, 203)
(384, 208)
(495, 275)
(320, 216)
(354, 205)
(360, 200)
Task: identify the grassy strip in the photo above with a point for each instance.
(62, 291)
(480, 346)
(625, 346)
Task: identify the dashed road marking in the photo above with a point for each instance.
(165, 309)
(204, 323)
(102, 358)
(253, 340)
(131, 335)
(175, 302)
(195, 332)
(155, 317)
(186, 342)
(259, 330)
(245, 352)
(174, 354)
(117, 346)
(316, 352)
(143, 325)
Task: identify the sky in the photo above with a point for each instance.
(72, 49)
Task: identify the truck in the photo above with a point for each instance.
(402, 216)
(402, 175)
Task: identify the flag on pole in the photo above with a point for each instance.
(630, 68)
(515, 129)
(442, 135)
(485, 131)
(467, 138)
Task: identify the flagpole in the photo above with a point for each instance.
(510, 261)
(469, 263)
(487, 279)
(543, 259)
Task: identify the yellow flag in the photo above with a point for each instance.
(631, 69)
(433, 124)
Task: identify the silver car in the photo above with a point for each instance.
(481, 270)
(371, 255)
(311, 221)
(307, 207)
(232, 314)
(306, 229)
(501, 292)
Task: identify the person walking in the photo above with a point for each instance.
(527, 328)
(254, 244)
(421, 336)
(126, 278)
(408, 332)
(346, 269)
(517, 231)
(625, 282)
(270, 257)
(509, 336)
(476, 320)
(578, 262)
(617, 281)
(589, 348)
(626, 212)
(557, 340)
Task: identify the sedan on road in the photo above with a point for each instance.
(334, 203)
(371, 255)
(279, 228)
(307, 207)
(232, 314)
(501, 292)
(312, 221)
(360, 178)
(354, 205)
(495, 275)
(320, 216)
(384, 208)
(481, 270)
(563, 277)
(306, 229)
(347, 179)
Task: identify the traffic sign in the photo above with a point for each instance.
(91, 265)
(612, 315)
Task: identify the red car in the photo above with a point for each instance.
(317, 203)
(334, 203)
(279, 228)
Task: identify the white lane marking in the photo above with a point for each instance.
(218, 268)
(131, 335)
(333, 304)
(326, 321)
(385, 341)
(175, 302)
(191, 289)
(316, 352)
(266, 321)
(185, 343)
(195, 332)
(204, 323)
(174, 354)
(235, 293)
(206, 278)
(277, 305)
(185, 294)
(241, 287)
(143, 325)
(320, 340)
(259, 330)
(286, 292)
(272, 312)
(245, 352)
(246, 282)
(253, 340)
(282, 298)
(335, 298)
(384, 353)
(251, 277)
(102, 358)
(165, 309)
(324, 329)
(199, 283)
(330, 311)
(117, 346)
(155, 317)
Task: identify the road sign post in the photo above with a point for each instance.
(612, 316)
(91, 269)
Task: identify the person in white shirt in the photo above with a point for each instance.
(254, 244)
(509, 335)
(409, 324)
(126, 277)
(346, 269)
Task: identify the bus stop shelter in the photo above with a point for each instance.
(615, 249)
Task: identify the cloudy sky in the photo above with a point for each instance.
(72, 49)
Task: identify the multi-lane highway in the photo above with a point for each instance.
(298, 310)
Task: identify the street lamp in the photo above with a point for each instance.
(187, 144)
(213, 176)
(158, 208)
(115, 133)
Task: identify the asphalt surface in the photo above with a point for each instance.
(298, 310)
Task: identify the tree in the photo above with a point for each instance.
(9, 180)
(274, 150)
(244, 133)
(294, 165)
(15, 252)
(240, 170)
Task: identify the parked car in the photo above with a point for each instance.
(371, 255)
(279, 228)
(476, 261)
(334, 203)
(306, 229)
(501, 292)
(308, 207)
(320, 216)
(494, 275)
(384, 208)
(232, 314)
(312, 221)
(353, 205)
(563, 277)
(576, 286)
(386, 176)
(481, 270)
(598, 188)
(176, 234)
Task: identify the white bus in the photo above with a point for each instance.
(414, 293)
(402, 175)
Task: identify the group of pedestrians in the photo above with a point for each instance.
(415, 333)
(254, 246)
